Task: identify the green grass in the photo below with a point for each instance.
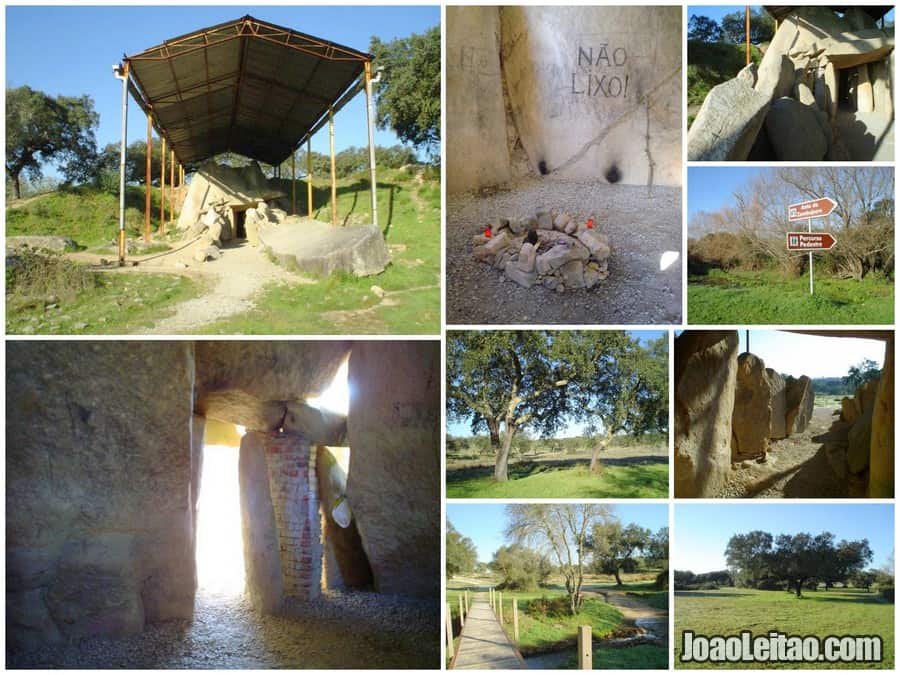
(118, 304)
(657, 599)
(87, 215)
(541, 480)
(410, 214)
(636, 657)
(766, 297)
(710, 64)
(542, 633)
(728, 611)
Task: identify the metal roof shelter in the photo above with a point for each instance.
(244, 86)
(778, 12)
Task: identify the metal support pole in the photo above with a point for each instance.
(162, 187)
(809, 229)
(171, 186)
(747, 30)
(148, 178)
(293, 182)
(309, 199)
(122, 74)
(369, 123)
(333, 167)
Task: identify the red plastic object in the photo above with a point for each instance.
(487, 232)
(590, 223)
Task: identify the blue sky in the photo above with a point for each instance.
(711, 188)
(702, 531)
(810, 355)
(716, 12)
(71, 50)
(465, 429)
(484, 523)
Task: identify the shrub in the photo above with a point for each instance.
(32, 277)
(551, 607)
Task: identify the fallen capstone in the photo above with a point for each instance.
(728, 122)
(321, 249)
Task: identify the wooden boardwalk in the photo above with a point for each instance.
(483, 644)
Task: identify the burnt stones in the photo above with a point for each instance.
(552, 249)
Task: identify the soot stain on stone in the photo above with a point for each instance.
(531, 237)
(613, 175)
(542, 167)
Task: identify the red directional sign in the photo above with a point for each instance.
(810, 241)
(815, 208)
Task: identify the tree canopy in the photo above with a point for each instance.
(795, 559)
(616, 547)
(521, 568)
(505, 381)
(864, 371)
(461, 553)
(704, 29)
(762, 26)
(41, 128)
(408, 97)
(561, 531)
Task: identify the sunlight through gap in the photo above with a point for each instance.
(220, 549)
(337, 397)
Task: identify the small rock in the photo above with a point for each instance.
(79, 325)
(525, 279)
(527, 257)
(544, 221)
(561, 221)
(180, 265)
(377, 291)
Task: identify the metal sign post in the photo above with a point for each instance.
(820, 241)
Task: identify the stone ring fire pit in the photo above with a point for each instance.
(553, 249)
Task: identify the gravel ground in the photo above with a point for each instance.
(640, 229)
(342, 630)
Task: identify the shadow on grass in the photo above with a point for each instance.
(713, 594)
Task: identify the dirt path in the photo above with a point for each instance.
(231, 282)
(637, 613)
(640, 230)
(632, 455)
(794, 467)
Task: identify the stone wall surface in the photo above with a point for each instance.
(573, 92)
(705, 376)
(394, 479)
(99, 513)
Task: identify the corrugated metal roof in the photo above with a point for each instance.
(245, 86)
(778, 12)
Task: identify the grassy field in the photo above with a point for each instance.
(728, 611)
(409, 214)
(542, 480)
(767, 298)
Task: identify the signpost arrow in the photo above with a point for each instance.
(810, 241)
(815, 208)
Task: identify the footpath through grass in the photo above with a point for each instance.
(409, 210)
(541, 480)
(728, 611)
(767, 298)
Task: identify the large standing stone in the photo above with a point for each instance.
(865, 99)
(728, 122)
(758, 402)
(859, 441)
(795, 131)
(881, 454)
(99, 517)
(394, 481)
(775, 77)
(262, 558)
(705, 374)
(881, 87)
(800, 400)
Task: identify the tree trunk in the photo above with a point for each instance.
(800, 586)
(596, 467)
(17, 188)
(618, 578)
(502, 456)
(494, 429)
